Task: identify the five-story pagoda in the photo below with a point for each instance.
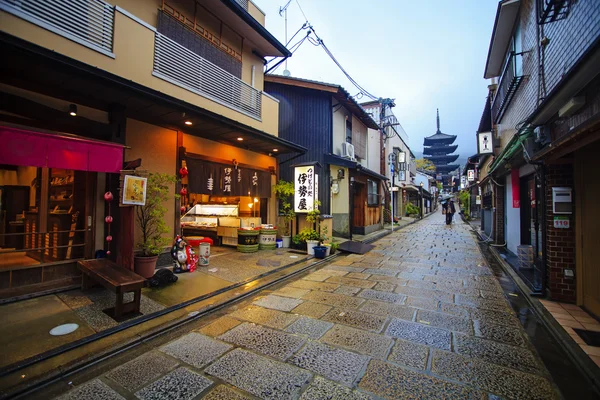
(438, 149)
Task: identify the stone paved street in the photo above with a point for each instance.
(421, 316)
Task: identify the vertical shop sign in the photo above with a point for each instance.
(516, 188)
(304, 197)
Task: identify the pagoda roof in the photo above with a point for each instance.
(444, 149)
(446, 168)
(444, 158)
(439, 137)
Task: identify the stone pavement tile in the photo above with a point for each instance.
(263, 340)
(358, 340)
(487, 294)
(321, 286)
(493, 378)
(495, 317)
(509, 334)
(219, 326)
(223, 392)
(454, 309)
(260, 376)
(440, 320)
(195, 349)
(347, 290)
(382, 271)
(388, 309)
(410, 354)
(382, 296)
(422, 302)
(142, 370)
(92, 390)
(310, 309)
(388, 279)
(333, 299)
(278, 302)
(343, 268)
(384, 287)
(422, 284)
(358, 275)
(497, 353)
(495, 305)
(181, 384)
(288, 291)
(393, 382)
(313, 328)
(430, 294)
(323, 389)
(411, 276)
(357, 319)
(419, 333)
(360, 283)
(336, 364)
(271, 318)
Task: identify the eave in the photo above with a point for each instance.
(506, 16)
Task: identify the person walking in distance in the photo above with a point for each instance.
(450, 210)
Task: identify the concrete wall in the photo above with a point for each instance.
(340, 203)
(373, 153)
(339, 127)
(512, 225)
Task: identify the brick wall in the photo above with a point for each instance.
(560, 243)
(499, 201)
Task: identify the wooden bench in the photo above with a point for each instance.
(115, 278)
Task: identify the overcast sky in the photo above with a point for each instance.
(426, 54)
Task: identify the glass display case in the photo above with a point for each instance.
(204, 219)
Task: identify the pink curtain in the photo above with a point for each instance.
(28, 148)
(516, 188)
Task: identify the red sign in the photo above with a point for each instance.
(516, 192)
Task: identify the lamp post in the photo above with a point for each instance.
(421, 192)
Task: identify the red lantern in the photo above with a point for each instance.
(183, 191)
(108, 253)
(109, 238)
(182, 209)
(183, 171)
(108, 219)
(108, 196)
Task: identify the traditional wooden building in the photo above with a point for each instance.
(324, 118)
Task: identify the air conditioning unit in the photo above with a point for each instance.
(348, 151)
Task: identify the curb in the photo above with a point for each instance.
(587, 368)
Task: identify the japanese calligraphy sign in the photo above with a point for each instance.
(305, 185)
(471, 175)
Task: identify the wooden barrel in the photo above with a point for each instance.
(247, 241)
(267, 240)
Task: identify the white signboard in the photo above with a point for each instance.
(304, 185)
(401, 157)
(471, 175)
(402, 175)
(484, 142)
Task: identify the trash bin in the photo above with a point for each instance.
(204, 254)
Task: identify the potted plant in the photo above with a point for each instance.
(312, 217)
(284, 190)
(150, 219)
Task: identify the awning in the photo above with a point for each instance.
(36, 149)
(511, 148)
(345, 162)
(506, 17)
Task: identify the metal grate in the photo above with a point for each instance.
(553, 10)
(180, 66)
(243, 3)
(89, 22)
(509, 83)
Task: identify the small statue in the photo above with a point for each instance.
(184, 258)
(162, 277)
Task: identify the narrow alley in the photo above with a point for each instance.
(420, 316)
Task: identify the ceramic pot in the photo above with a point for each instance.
(286, 241)
(309, 246)
(145, 266)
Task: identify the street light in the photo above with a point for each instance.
(422, 205)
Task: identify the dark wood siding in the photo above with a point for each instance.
(305, 118)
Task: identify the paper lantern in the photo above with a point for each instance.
(109, 238)
(108, 196)
(108, 219)
(183, 191)
(183, 171)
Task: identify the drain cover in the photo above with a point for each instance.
(63, 329)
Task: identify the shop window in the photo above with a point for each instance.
(372, 193)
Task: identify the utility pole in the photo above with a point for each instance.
(284, 10)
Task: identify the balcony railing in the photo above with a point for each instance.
(182, 67)
(243, 3)
(87, 22)
(509, 83)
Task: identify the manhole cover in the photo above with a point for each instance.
(63, 329)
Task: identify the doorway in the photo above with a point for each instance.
(588, 228)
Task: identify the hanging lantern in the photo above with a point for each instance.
(183, 191)
(108, 219)
(109, 238)
(108, 196)
(183, 171)
(108, 252)
(182, 209)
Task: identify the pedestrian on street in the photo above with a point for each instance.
(450, 210)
